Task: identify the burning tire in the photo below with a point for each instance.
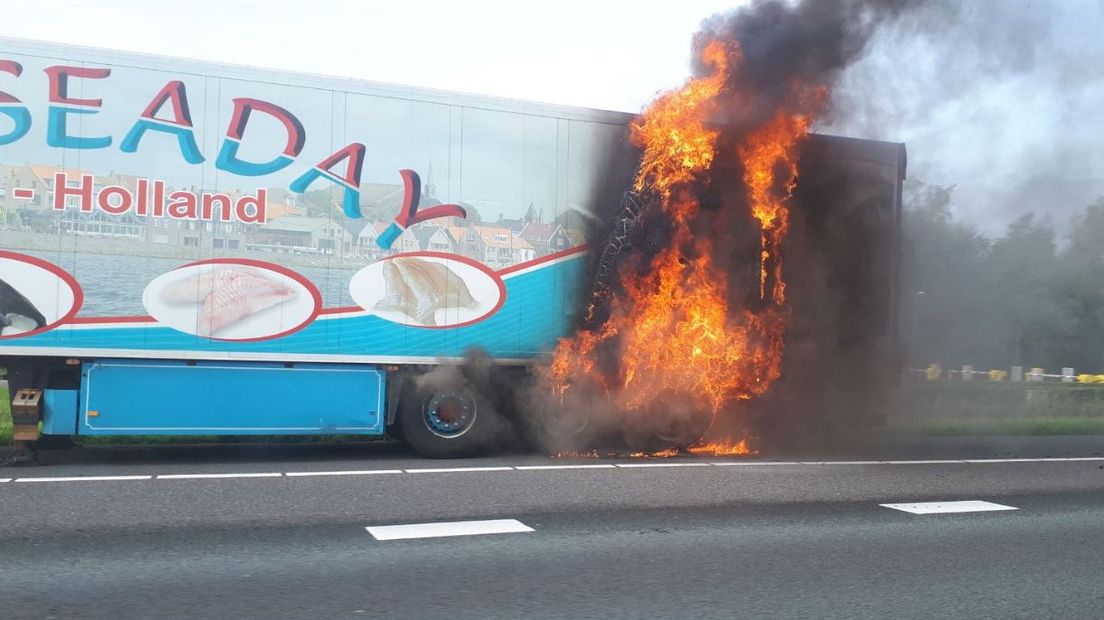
(671, 421)
(566, 422)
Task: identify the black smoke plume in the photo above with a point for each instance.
(789, 54)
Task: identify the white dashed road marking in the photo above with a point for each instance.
(842, 462)
(649, 464)
(753, 463)
(355, 472)
(546, 467)
(451, 528)
(632, 465)
(83, 479)
(932, 462)
(274, 474)
(448, 470)
(927, 508)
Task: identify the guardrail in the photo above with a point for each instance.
(935, 372)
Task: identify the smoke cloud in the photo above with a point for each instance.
(999, 99)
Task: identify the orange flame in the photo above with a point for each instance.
(675, 332)
(722, 448)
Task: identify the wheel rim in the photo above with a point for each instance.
(449, 413)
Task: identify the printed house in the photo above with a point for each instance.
(433, 238)
(496, 247)
(546, 238)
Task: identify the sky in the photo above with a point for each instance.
(609, 55)
(1001, 98)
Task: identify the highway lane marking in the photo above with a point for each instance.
(843, 462)
(446, 470)
(637, 465)
(83, 478)
(210, 476)
(552, 467)
(1042, 460)
(752, 463)
(353, 472)
(448, 528)
(931, 462)
(565, 466)
(927, 508)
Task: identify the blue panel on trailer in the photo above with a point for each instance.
(155, 397)
(59, 415)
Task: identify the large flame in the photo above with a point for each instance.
(675, 333)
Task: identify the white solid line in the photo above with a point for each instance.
(751, 463)
(5, 479)
(842, 462)
(200, 476)
(83, 479)
(453, 528)
(636, 465)
(932, 462)
(445, 470)
(1043, 460)
(925, 508)
(544, 467)
(354, 472)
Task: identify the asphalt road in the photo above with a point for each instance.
(249, 532)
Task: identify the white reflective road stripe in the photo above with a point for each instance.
(83, 479)
(932, 462)
(842, 462)
(752, 463)
(355, 472)
(451, 528)
(546, 467)
(204, 476)
(926, 508)
(5, 479)
(445, 470)
(636, 465)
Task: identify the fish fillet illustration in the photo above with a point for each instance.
(227, 295)
(195, 289)
(17, 313)
(419, 288)
(396, 291)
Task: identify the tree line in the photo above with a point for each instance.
(1029, 297)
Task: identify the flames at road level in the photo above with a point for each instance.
(674, 333)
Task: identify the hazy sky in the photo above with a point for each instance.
(612, 55)
(1000, 98)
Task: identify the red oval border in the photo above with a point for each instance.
(260, 264)
(64, 276)
(467, 261)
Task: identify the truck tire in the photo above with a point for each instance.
(446, 422)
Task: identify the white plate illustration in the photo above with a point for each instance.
(428, 289)
(230, 299)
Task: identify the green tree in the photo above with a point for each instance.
(944, 259)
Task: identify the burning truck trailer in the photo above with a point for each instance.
(721, 255)
(839, 356)
(200, 255)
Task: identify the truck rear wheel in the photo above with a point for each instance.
(451, 421)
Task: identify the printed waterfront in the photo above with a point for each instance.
(113, 284)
